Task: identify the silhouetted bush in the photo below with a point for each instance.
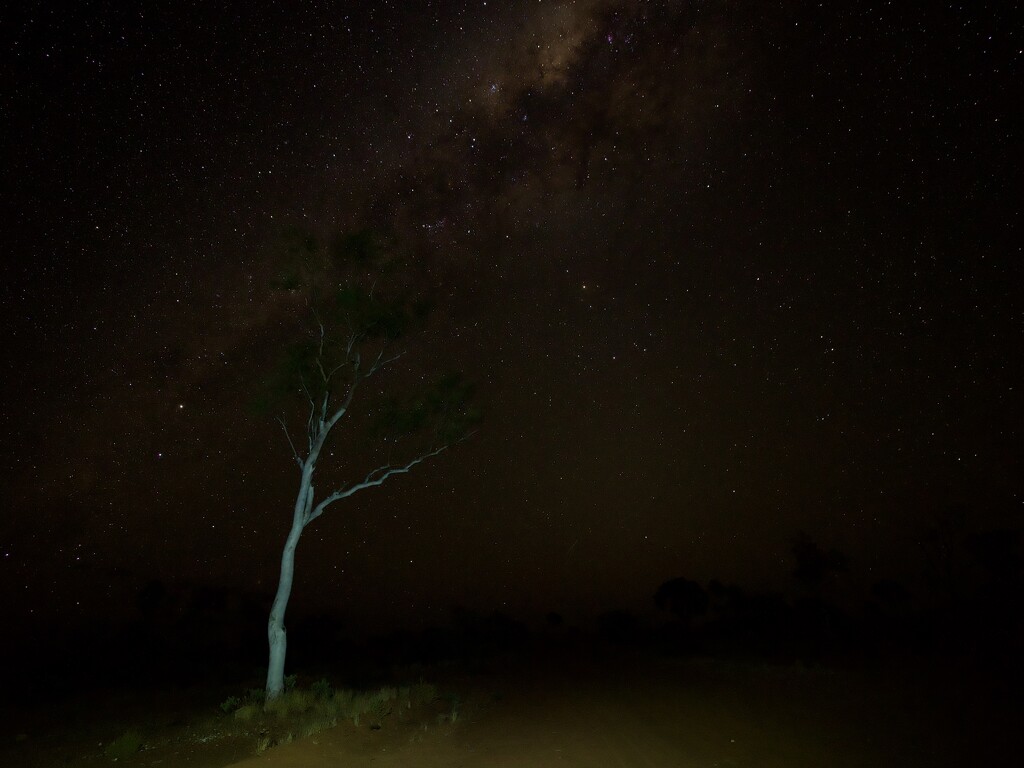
(686, 599)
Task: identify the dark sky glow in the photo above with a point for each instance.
(723, 272)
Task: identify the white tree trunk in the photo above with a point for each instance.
(277, 635)
(304, 514)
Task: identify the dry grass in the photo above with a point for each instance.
(301, 712)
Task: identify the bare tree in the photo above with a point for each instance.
(352, 337)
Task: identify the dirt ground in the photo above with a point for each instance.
(679, 715)
(624, 711)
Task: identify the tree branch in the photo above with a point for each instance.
(374, 478)
(305, 389)
(310, 427)
(295, 452)
(323, 409)
(343, 408)
(380, 362)
(346, 362)
(320, 358)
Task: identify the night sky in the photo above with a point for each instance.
(723, 272)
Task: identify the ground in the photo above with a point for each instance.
(612, 710)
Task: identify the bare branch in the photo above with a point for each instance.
(305, 389)
(373, 479)
(380, 362)
(323, 408)
(320, 353)
(343, 364)
(311, 427)
(343, 408)
(295, 453)
(374, 473)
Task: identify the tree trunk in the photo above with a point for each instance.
(277, 635)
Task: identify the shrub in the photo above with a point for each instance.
(247, 712)
(317, 724)
(377, 704)
(230, 704)
(321, 689)
(293, 702)
(255, 696)
(423, 693)
(124, 746)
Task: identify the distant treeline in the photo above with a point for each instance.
(966, 602)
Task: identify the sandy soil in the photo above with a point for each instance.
(625, 711)
(676, 715)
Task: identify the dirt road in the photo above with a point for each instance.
(664, 716)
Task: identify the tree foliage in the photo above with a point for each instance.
(361, 305)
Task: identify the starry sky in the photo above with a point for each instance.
(722, 272)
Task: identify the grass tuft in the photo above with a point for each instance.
(124, 746)
(230, 704)
(304, 712)
(321, 689)
(248, 713)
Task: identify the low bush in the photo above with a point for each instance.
(124, 746)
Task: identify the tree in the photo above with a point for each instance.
(814, 564)
(686, 599)
(350, 340)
